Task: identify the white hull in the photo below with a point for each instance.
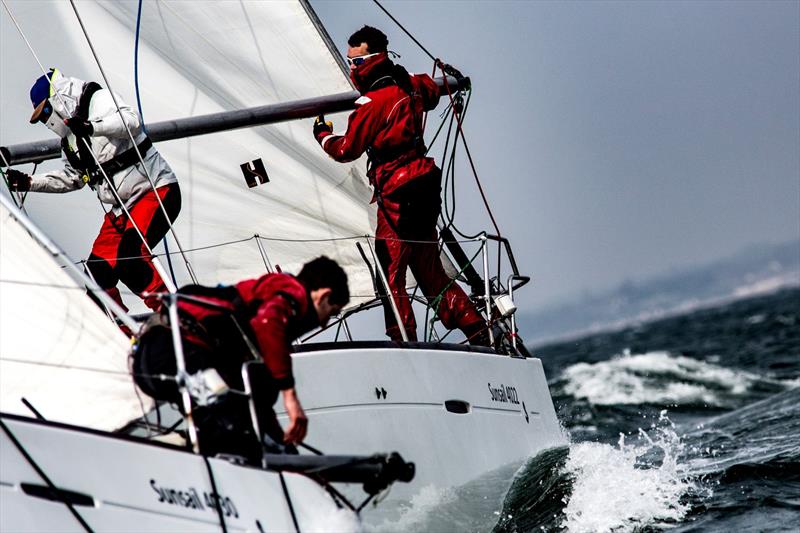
(342, 391)
(125, 484)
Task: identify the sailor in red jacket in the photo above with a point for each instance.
(272, 311)
(388, 124)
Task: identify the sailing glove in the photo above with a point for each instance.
(321, 126)
(79, 126)
(18, 181)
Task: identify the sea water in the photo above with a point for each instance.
(690, 423)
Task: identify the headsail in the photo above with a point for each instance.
(205, 57)
(57, 349)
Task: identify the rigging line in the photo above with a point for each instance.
(89, 275)
(279, 239)
(33, 409)
(53, 285)
(446, 215)
(144, 411)
(138, 393)
(289, 502)
(262, 250)
(444, 117)
(124, 293)
(109, 182)
(370, 237)
(53, 489)
(141, 114)
(451, 174)
(19, 29)
(330, 239)
(27, 42)
(404, 30)
(338, 497)
(133, 142)
(215, 495)
(198, 249)
(161, 377)
(136, 65)
(469, 155)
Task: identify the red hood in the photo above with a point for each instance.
(374, 68)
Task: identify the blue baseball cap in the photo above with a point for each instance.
(40, 92)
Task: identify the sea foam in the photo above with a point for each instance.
(661, 378)
(637, 483)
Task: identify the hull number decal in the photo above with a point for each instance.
(191, 499)
(503, 394)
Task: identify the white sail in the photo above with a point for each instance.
(57, 349)
(204, 57)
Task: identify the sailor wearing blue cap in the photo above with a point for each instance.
(98, 152)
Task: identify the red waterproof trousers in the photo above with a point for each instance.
(118, 253)
(406, 236)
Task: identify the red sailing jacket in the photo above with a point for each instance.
(277, 308)
(385, 122)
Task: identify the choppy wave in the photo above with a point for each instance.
(761, 435)
(635, 484)
(664, 379)
(640, 482)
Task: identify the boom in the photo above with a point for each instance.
(38, 151)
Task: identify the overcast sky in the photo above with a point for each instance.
(617, 140)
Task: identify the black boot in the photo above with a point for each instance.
(477, 334)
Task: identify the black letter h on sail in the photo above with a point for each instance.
(254, 173)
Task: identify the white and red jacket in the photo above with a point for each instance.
(109, 139)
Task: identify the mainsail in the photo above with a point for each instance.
(203, 57)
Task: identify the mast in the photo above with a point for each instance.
(323, 33)
(38, 151)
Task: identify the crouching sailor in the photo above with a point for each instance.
(221, 328)
(84, 115)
